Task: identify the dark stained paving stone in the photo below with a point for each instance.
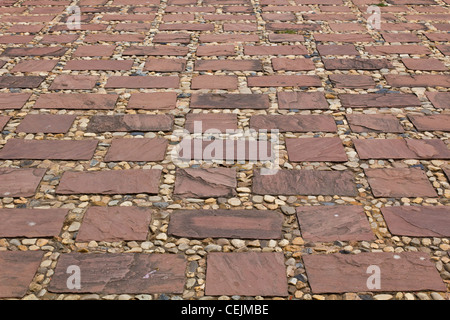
(110, 182)
(418, 221)
(163, 50)
(172, 37)
(153, 101)
(46, 123)
(20, 182)
(399, 182)
(205, 183)
(397, 49)
(352, 81)
(31, 223)
(304, 182)
(153, 149)
(331, 223)
(130, 122)
(405, 271)
(440, 100)
(246, 274)
(229, 65)
(82, 101)
(294, 123)
(35, 51)
(73, 82)
(229, 101)
(434, 122)
(379, 100)
(200, 122)
(275, 50)
(401, 149)
(18, 270)
(117, 273)
(234, 224)
(332, 49)
(115, 224)
(316, 149)
(3, 121)
(49, 149)
(356, 64)
(22, 82)
(374, 123)
(13, 100)
(292, 64)
(301, 100)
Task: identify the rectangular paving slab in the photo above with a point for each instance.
(143, 149)
(434, 122)
(301, 100)
(46, 123)
(82, 101)
(339, 273)
(234, 224)
(294, 123)
(205, 183)
(4, 120)
(117, 273)
(13, 100)
(374, 123)
(379, 100)
(130, 122)
(316, 149)
(229, 101)
(20, 182)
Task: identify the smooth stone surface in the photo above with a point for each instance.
(229, 101)
(435, 122)
(153, 149)
(20, 182)
(81, 101)
(374, 123)
(200, 122)
(316, 149)
(46, 123)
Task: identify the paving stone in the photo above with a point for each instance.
(316, 149)
(48, 149)
(284, 81)
(405, 271)
(20, 81)
(46, 123)
(74, 82)
(281, 26)
(94, 51)
(352, 81)
(144, 82)
(435, 36)
(13, 100)
(424, 64)
(276, 37)
(228, 38)
(415, 221)
(229, 65)
(214, 82)
(183, 38)
(292, 64)
(205, 183)
(401, 149)
(153, 100)
(16, 39)
(220, 50)
(234, 224)
(186, 27)
(334, 223)
(435, 122)
(31, 223)
(301, 100)
(118, 273)
(95, 65)
(294, 123)
(35, 66)
(153, 149)
(356, 64)
(374, 123)
(418, 80)
(343, 37)
(335, 49)
(99, 37)
(229, 101)
(397, 49)
(160, 50)
(241, 27)
(304, 182)
(82, 101)
(439, 99)
(201, 122)
(18, 270)
(445, 49)
(110, 182)
(379, 100)
(399, 182)
(130, 122)
(165, 65)
(400, 37)
(20, 182)
(35, 51)
(246, 273)
(60, 38)
(4, 120)
(115, 224)
(275, 50)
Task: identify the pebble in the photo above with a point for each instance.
(383, 297)
(234, 202)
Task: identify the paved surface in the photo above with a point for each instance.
(89, 187)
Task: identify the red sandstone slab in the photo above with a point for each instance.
(374, 123)
(148, 150)
(186, 27)
(418, 80)
(118, 273)
(435, 122)
(214, 50)
(281, 26)
(4, 120)
(183, 38)
(233, 224)
(440, 100)
(80, 101)
(60, 38)
(31, 223)
(246, 273)
(282, 37)
(397, 49)
(128, 17)
(305, 182)
(35, 51)
(35, 66)
(48, 149)
(46, 123)
(228, 65)
(22, 82)
(88, 27)
(379, 100)
(347, 26)
(170, 9)
(74, 82)
(424, 64)
(25, 28)
(343, 37)
(301, 100)
(179, 17)
(211, 122)
(115, 224)
(334, 49)
(334, 223)
(279, 16)
(356, 64)
(18, 270)
(13, 100)
(230, 101)
(16, 39)
(399, 182)
(275, 50)
(165, 65)
(292, 64)
(229, 17)
(415, 221)
(228, 38)
(159, 50)
(284, 81)
(352, 81)
(130, 122)
(20, 182)
(241, 27)
(153, 101)
(110, 182)
(99, 37)
(400, 37)
(205, 183)
(316, 149)
(405, 271)
(294, 123)
(214, 82)
(94, 51)
(97, 65)
(133, 27)
(143, 82)
(445, 49)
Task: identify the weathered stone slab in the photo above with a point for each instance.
(82, 101)
(46, 123)
(153, 100)
(22, 82)
(374, 123)
(301, 100)
(316, 149)
(440, 100)
(229, 101)
(201, 122)
(130, 122)
(379, 100)
(294, 123)
(205, 183)
(4, 120)
(20, 182)
(13, 100)
(152, 149)
(434, 122)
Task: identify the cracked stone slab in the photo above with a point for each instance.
(246, 274)
(415, 221)
(316, 149)
(339, 273)
(20, 182)
(115, 224)
(232, 224)
(118, 273)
